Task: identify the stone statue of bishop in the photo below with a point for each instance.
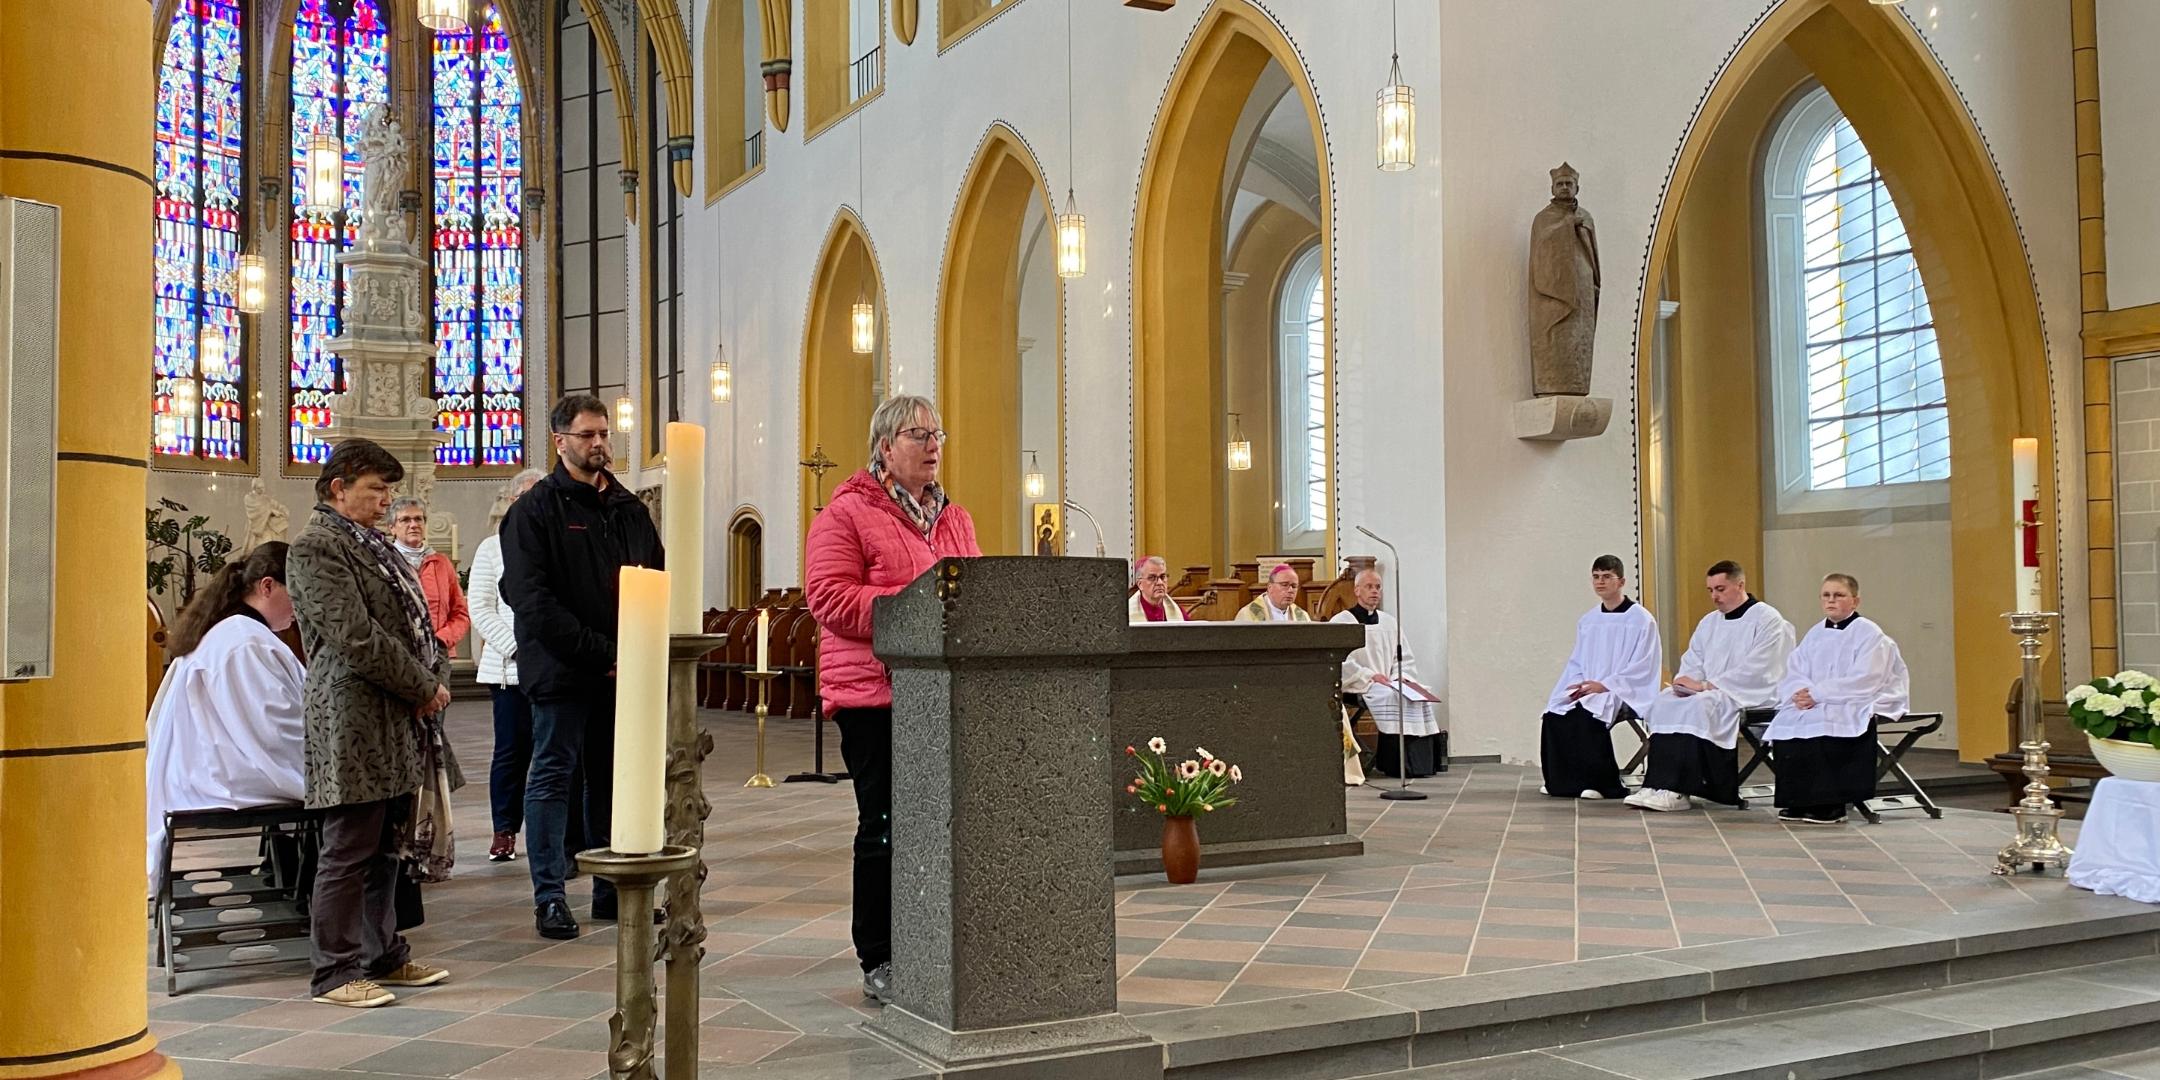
(1564, 283)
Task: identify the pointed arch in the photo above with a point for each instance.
(633, 150)
(979, 356)
(1979, 282)
(1179, 426)
(840, 386)
(663, 22)
(746, 556)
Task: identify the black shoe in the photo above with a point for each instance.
(1788, 815)
(1823, 817)
(553, 920)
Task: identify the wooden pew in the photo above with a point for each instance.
(2069, 756)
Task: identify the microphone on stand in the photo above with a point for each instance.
(1402, 740)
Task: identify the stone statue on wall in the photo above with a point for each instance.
(1564, 282)
(384, 163)
(266, 517)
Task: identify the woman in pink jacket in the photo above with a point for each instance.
(885, 526)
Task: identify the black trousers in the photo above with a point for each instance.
(866, 747)
(1692, 765)
(1575, 752)
(353, 920)
(1826, 773)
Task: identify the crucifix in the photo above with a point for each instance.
(817, 463)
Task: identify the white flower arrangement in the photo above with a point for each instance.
(2134, 680)
(2118, 707)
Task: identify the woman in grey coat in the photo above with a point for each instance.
(375, 673)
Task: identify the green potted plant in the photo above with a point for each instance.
(190, 547)
(1180, 792)
(2116, 714)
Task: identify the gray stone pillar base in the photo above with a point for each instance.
(1105, 1047)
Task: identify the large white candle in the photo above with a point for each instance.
(641, 651)
(683, 517)
(764, 639)
(2025, 494)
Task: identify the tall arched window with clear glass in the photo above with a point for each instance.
(1301, 406)
(199, 362)
(340, 72)
(478, 241)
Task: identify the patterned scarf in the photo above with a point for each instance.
(419, 627)
(925, 513)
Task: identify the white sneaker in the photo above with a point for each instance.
(1641, 797)
(1592, 794)
(1541, 790)
(1668, 802)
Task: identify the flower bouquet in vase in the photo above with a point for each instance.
(1181, 792)
(2116, 714)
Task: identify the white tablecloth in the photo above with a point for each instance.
(2118, 846)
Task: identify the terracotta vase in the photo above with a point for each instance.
(1180, 850)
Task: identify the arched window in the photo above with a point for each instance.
(1857, 376)
(199, 360)
(340, 72)
(478, 239)
(1301, 404)
(663, 264)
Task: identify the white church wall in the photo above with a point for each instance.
(2129, 35)
(1526, 86)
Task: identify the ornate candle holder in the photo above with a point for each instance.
(682, 941)
(2037, 815)
(630, 1029)
(763, 679)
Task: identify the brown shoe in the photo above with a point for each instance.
(413, 974)
(504, 847)
(358, 994)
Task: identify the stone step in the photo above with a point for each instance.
(1383, 1030)
(1998, 1028)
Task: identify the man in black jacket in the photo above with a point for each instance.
(564, 543)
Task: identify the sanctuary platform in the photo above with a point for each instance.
(1488, 932)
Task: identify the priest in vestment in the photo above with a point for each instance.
(1279, 602)
(1369, 672)
(225, 729)
(1733, 664)
(1846, 675)
(1614, 667)
(1151, 593)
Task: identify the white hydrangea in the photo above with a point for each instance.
(2134, 680)
(2080, 692)
(2105, 704)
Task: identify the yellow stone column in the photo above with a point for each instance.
(76, 96)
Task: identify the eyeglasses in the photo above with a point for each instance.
(924, 435)
(586, 436)
(1154, 577)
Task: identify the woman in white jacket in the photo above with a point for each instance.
(494, 625)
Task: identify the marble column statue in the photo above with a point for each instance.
(1564, 285)
(385, 342)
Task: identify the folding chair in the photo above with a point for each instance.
(1642, 752)
(1755, 723)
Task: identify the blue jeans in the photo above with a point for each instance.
(568, 736)
(512, 760)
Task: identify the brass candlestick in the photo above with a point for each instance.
(682, 941)
(2037, 815)
(630, 1030)
(764, 693)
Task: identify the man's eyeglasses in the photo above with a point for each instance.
(924, 435)
(586, 436)
(1154, 577)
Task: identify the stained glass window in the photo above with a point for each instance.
(478, 238)
(340, 72)
(199, 359)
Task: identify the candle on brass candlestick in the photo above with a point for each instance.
(641, 657)
(2025, 497)
(764, 639)
(683, 521)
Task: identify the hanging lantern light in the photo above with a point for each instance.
(1071, 240)
(1398, 123)
(325, 192)
(254, 285)
(625, 415)
(863, 325)
(1032, 482)
(723, 382)
(442, 16)
(1240, 447)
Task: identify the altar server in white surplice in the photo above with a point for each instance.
(225, 730)
(1846, 675)
(1733, 664)
(1369, 673)
(1614, 667)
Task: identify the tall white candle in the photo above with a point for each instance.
(2025, 495)
(683, 520)
(764, 639)
(641, 651)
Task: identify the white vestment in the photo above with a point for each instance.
(1854, 675)
(225, 729)
(1743, 656)
(1617, 648)
(1135, 614)
(1378, 658)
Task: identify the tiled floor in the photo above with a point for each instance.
(1485, 875)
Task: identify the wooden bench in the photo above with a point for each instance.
(2069, 755)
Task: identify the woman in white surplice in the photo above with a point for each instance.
(1369, 672)
(225, 728)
